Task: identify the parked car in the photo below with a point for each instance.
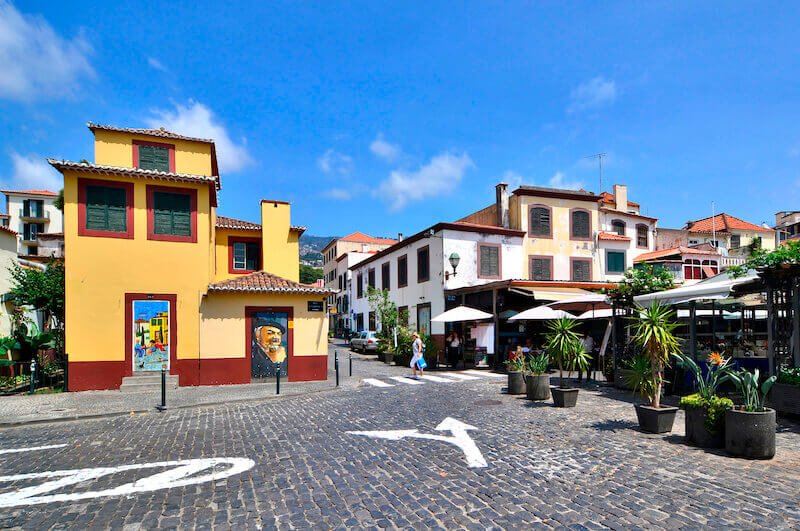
(366, 341)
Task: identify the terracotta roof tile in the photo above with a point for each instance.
(663, 253)
(102, 169)
(263, 282)
(163, 133)
(10, 231)
(723, 223)
(612, 236)
(224, 222)
(30, 192)
(360, 237)
(608, 199)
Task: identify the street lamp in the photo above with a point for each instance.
(454, 260)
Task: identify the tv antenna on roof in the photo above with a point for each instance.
(600, 163)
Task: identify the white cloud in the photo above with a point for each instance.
(559, 180)
(333, 162)
(32, 172)
(339, 194)
(513, 179)
(438, 177)
(594, 93)
(155, 63)
(385, 150)
(195, 119)
(37, 63)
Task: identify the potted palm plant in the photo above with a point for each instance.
(750, 428)
(785, 396)
(516, 379)
(705, 411)
(565, 346)
(537, 381)
(653, 333)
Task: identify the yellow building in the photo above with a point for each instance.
(144, 242)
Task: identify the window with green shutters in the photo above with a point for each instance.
(615, 262)
(153, 158)
(106, 208)
(172, 214)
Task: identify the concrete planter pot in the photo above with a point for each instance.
(652, 420)
(538, 386)
(786, 398)
(698, 432)
(750, 434)
(516, 383)
(564, 397)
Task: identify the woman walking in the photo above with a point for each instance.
(417, 361)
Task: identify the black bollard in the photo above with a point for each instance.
(163, 405)
(33, 377)
(351, 363)
(278, 378)
(336, 365)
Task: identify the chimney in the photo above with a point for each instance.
(501, 204)
(364, 247)
(621, 197)
(399, 236)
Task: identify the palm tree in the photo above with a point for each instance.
(652, 331)
(564, 345)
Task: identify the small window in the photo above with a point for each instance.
(692, 269)
(642, 238)
(488, 261)
(385, 276)
(402, 271)
(736, 241)
(541, 268)
(423, 264)
(106, 209)
(540, 222)
(171, 214)
(245, 256)
(371, 278)
(154, 157)
(359, 286)
(618, 227)
(615, 262)
(581, 225)
(581, 270)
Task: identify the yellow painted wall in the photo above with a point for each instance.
(99, 271)
(222, 334)
(221, 252)
(280, 245)
(115, 148)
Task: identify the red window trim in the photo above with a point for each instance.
(591, 225)
(83, 231)
(170, 147)
(531, 257)
(549, 236)
(242, 239)
(404, 258)
(192, 193)
(499, 260)
(647, 232)
(572, 260)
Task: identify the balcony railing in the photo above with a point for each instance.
(728, 261)
(32, 215)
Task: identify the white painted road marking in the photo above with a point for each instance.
(376, 383)
(432, 378)
(405, 380)
(460, 438)
(460, 376)
(178, 476)
(485, 373)
(30, 449)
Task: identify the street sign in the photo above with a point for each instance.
(316, 306)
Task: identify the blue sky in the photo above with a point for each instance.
(389, 117)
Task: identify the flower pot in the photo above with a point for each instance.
(538, 386)
(750, 433)
(698, 432)
(516, 383)
(786, 398)
(564, 397)
(656, 420)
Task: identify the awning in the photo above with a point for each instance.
(604, 313)
(582, 303)
(551, 293)
(718, 287)
(540, 313)
(461, 313)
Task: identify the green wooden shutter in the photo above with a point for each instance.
(162, 213)
(96, 211)
(172, 214)
(153, 158)
(106, 208)
(615, 262)
(181, 215)
(117, 217)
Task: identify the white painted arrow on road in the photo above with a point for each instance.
(460, 438)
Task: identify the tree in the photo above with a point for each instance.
(385, 311)
(43, 291)
(653, 332)
(641, 280)
(309, 274)
(58, 202)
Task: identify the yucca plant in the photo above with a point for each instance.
(537, 364)
(638, 375)
(565, 346)
(747, 383)
(653, 332)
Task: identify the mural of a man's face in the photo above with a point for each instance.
(269, 339)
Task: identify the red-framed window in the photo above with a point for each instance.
(244, 255)
(171, 214)
(153, 156)
(105, 209)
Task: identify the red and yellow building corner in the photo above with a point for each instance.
(155, 279)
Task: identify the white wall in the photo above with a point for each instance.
(630, 247)
(15, 205)
(512, 259)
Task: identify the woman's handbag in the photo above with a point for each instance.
(421, 363)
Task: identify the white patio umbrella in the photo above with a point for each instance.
(540, 313)
(582, 303)
(462, 313)
(595, 314)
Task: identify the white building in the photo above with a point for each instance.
(30, 213)
(418, 270)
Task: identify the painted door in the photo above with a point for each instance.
(151, 334)
(270, 344)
